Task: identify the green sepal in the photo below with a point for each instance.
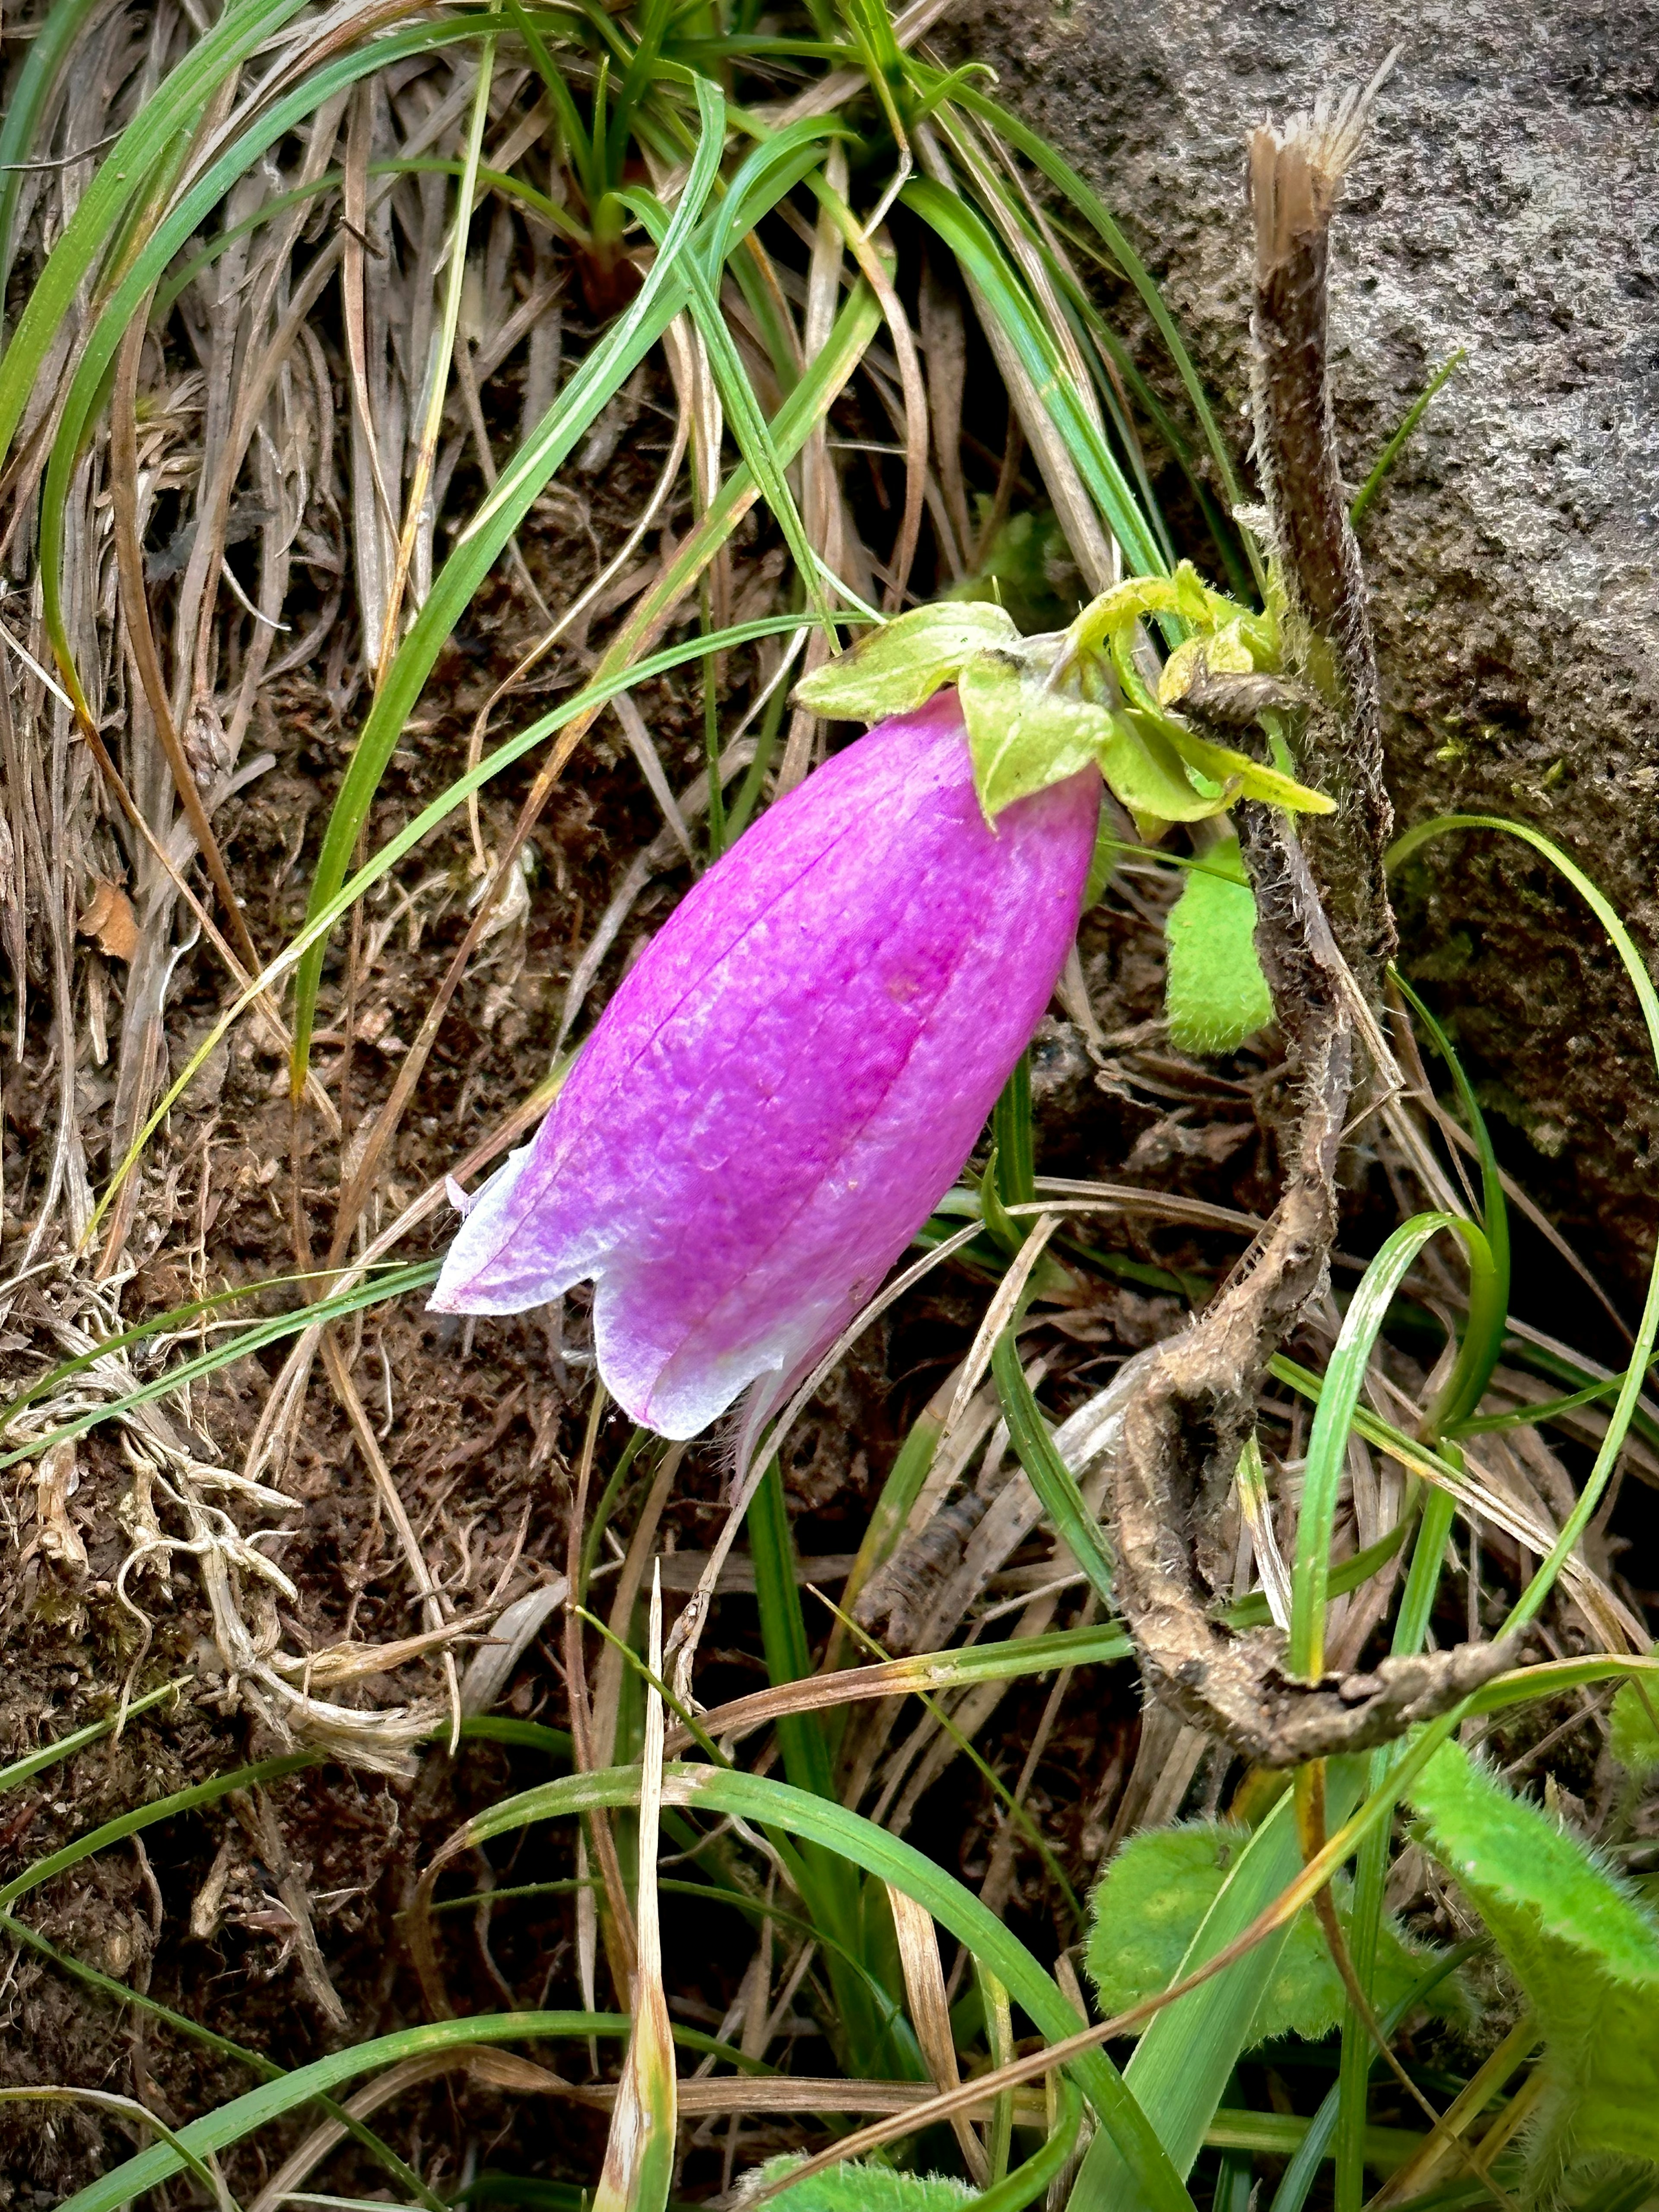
(898, 667)
(1214, 989)
(1023, 736)
(1145, 771)
(1255, 781)
(1184, 596)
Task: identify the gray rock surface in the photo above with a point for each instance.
(1507, 200)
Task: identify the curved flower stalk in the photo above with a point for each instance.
(791, 1076)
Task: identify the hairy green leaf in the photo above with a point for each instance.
(1183, 2063)
(1216, 991)
(863, 2188)
(898, 667)
(1152, 1899)
(1580, 1942)
(1633, 1727)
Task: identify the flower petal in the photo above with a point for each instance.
(508, 1253)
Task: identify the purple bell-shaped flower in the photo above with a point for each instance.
(790, 1077)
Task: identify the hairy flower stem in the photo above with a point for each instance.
(1294, 179)
(1183, 1433)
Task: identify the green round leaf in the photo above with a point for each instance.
(1151, 1901)
(1214, 988)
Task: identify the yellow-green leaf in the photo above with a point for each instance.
(1023, 737)
(1254, 781)
(1145, 771)
(898, 667)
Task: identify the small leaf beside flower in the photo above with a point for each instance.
(1148, 774)
(1024, 734)
(1216, 992)
(897, 668)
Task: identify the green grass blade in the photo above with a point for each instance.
(523, 1736)
(262, 2068)
(1483, 1343)
(245, 27)
(899, 1494)
(783, 1631)
(1090, 205)
(175, 1318)
(65, 1747)
(511, 188)
(1027, 2183)
(1338, 1397)
(1532, 1415)
(604, 372)
(830, 1887)
(752, 190)
(1315, 2147)
(233, 2123)
(814, 1819)
(743, 411)
(1181, 2065)
(146, 1816)
(1011, 1136)
(88, 385)
(391, 1285)
(1052, 1479)
(1371, 1868)
(49, 49)
(1606, 1458)
(965, 231)
(1582, 1376)
(1415, 414)
(578, 147)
